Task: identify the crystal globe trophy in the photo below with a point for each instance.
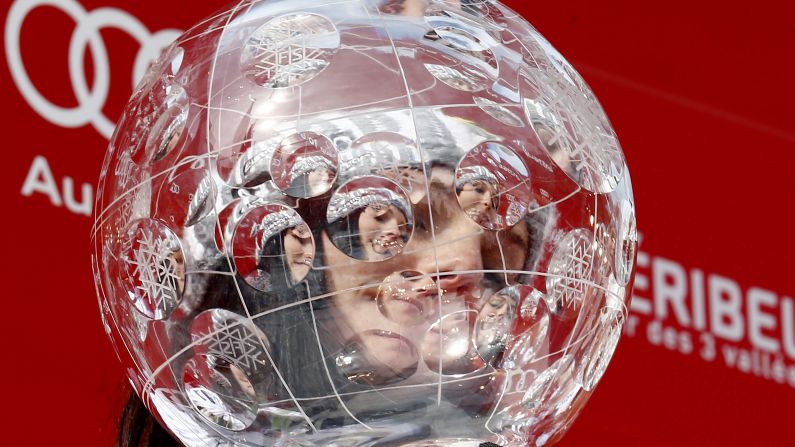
(364, 223)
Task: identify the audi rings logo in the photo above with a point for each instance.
(91, 100)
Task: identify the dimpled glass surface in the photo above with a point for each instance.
(364, 223)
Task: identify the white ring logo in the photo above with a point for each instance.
(89, 24)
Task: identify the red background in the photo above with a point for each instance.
(700, 94)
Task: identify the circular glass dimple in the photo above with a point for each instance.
(175, 63)
(627, 242)
(153, 265)
(551, 134)
(186, 199)
(448, 442)
(573, 128)
(530, 346)
(461, 78)
(227, 217)
(304, 165)
(226, 337)
(221, 393)
(448, 346)
(493, 186)
(272, 247)
(571, 273)
(532, 328)
(388, 154)
(246, 166)
(458, 38)
(529, 309)
(370, 218)
(377, 358)
(500, 112)
(289, 50)
(456, 32)
(495, 322)
(601, 348)
(166, 133)
(604, 248)
(455, 52)
(544, 383)
(407, 297)
(158, 124)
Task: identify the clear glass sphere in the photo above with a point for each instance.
(364, 223)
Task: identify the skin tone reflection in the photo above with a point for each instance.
(242, 381)
(178, 260)
(479, 199)
(382, 231)
(447, 347)
(408, 297)
(299, 251)
(313, 184)
(391, 308)
(493, 324)
(174, 281)
(319, 181)
(284, 260)
(412, 8)
(559, 156)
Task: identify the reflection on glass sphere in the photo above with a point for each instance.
(387, 222)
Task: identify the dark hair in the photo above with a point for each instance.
(345, 234)
(292, 337)
(293, 332)
(271, 260)
(138, 428)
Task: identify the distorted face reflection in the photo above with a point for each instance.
(480, 200)
(408, 298)
(415, 8)
(178, 261)
(378, 357)
(242, 382)
(554, 146)
(382, 231)
(493, 324)
(299, 251)
(311, 184)
(392, 308)
(447, 346)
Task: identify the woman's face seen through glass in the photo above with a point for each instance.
(422, 302)
(382, 231)
(299, 251)
(378, 246)
(479, 199)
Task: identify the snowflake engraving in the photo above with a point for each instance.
(564, 106)
(156, 271)
(571, 270)
(605, 247)
(236, 344)
(289, 50)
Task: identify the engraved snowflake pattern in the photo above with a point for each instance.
(125, 180)
(155, 270)
(580, 128)
(605, 247)
(236, 344)
(289, 50)
(564, 104)
(571, 269)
